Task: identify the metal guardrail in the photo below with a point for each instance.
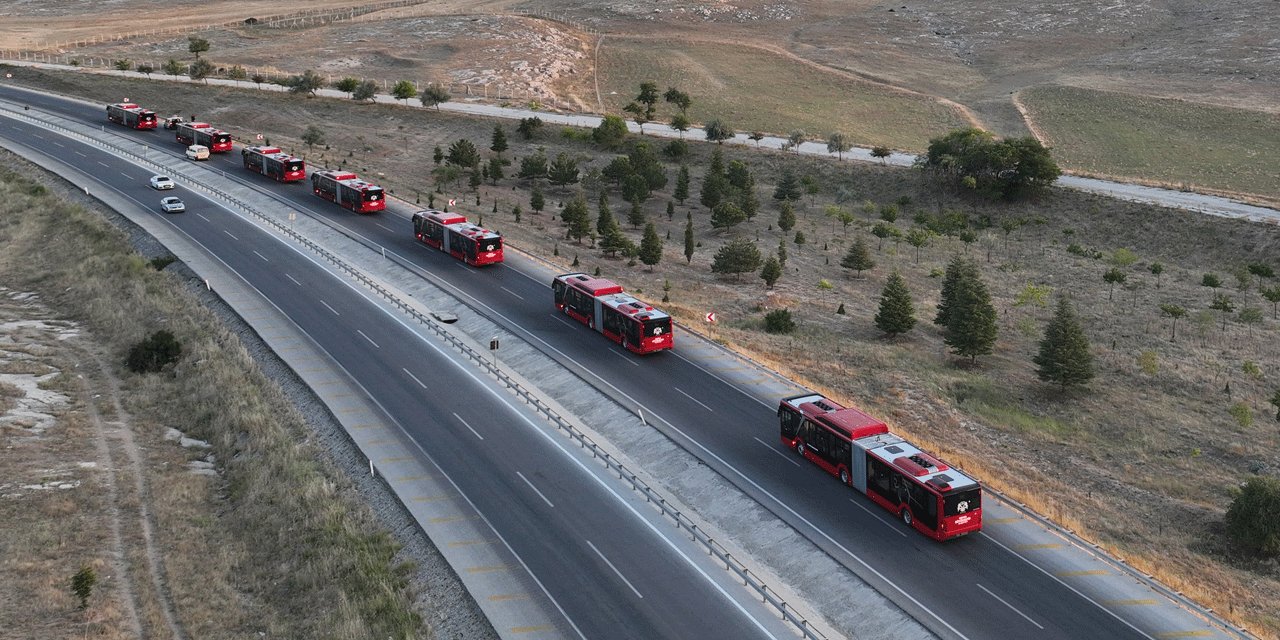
(682, 522)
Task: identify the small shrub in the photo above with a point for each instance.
(154, 353)
(82, 585)
(1251, 369)
(1253, 520)
(1149, 362)
(779, 321)
(1211, 280)
(1242, 413)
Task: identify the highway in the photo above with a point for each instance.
(976, 587)
(612, 572)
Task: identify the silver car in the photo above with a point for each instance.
(172, 205)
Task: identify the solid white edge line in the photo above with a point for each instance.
(615, 570)
(468, 426)
(1015, 609)
(535, 490)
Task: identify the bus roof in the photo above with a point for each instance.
(263, 150)
(923, 467)
(125, 105)
(442, 217)
(472, 231)
(629, 305)
(594, 286)
(336, 175)
(852, 422)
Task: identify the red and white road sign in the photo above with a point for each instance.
(259, 136)
(711, 317)
(452, 202)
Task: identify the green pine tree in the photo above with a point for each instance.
(859, 257)
(971, 319)
(1064, 356)
(771, 271)
(786, 216)
(788, 188)
(896, 315)
(605, 221)
(682, 185)
(688, 240)
(956, 269)
(650, 246)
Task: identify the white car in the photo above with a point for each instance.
(172, 205)
(198, 152)
(161, 182)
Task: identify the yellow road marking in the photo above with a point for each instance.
(499, 567)
(1031, 547)
(1119, 603)
(364, 425)
(428, 498)
(444, 519)
(1083, 572)
(508, 596)
(394, 459)
(468, 543)
(541, 627)
(1185, 634)
(1000, 520)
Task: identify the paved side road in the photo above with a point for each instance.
(1202, 203)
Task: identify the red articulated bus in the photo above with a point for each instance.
(348, 191)
(601, 305)
(203, 133)
(274, 163)
(452, 234)
(929, 496)
(131, 115)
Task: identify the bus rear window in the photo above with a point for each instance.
(373, 194)
(294, 166)
(962, 502)
(660, 327)
(491, 244)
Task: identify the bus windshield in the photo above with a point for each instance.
(962, 502)
(657, 327)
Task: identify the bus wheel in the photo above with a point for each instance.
(844, 476)
(624, 343)
(591, 323)
(906, 516)
(800, 448)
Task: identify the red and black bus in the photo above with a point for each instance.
(601, 305)
(348, 191)
(927, 494)
(203, 133)
(131, 115)
(452, 234)
(274, 163)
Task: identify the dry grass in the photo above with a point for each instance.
(758, 89)
(229, 544)
(1170, 142)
